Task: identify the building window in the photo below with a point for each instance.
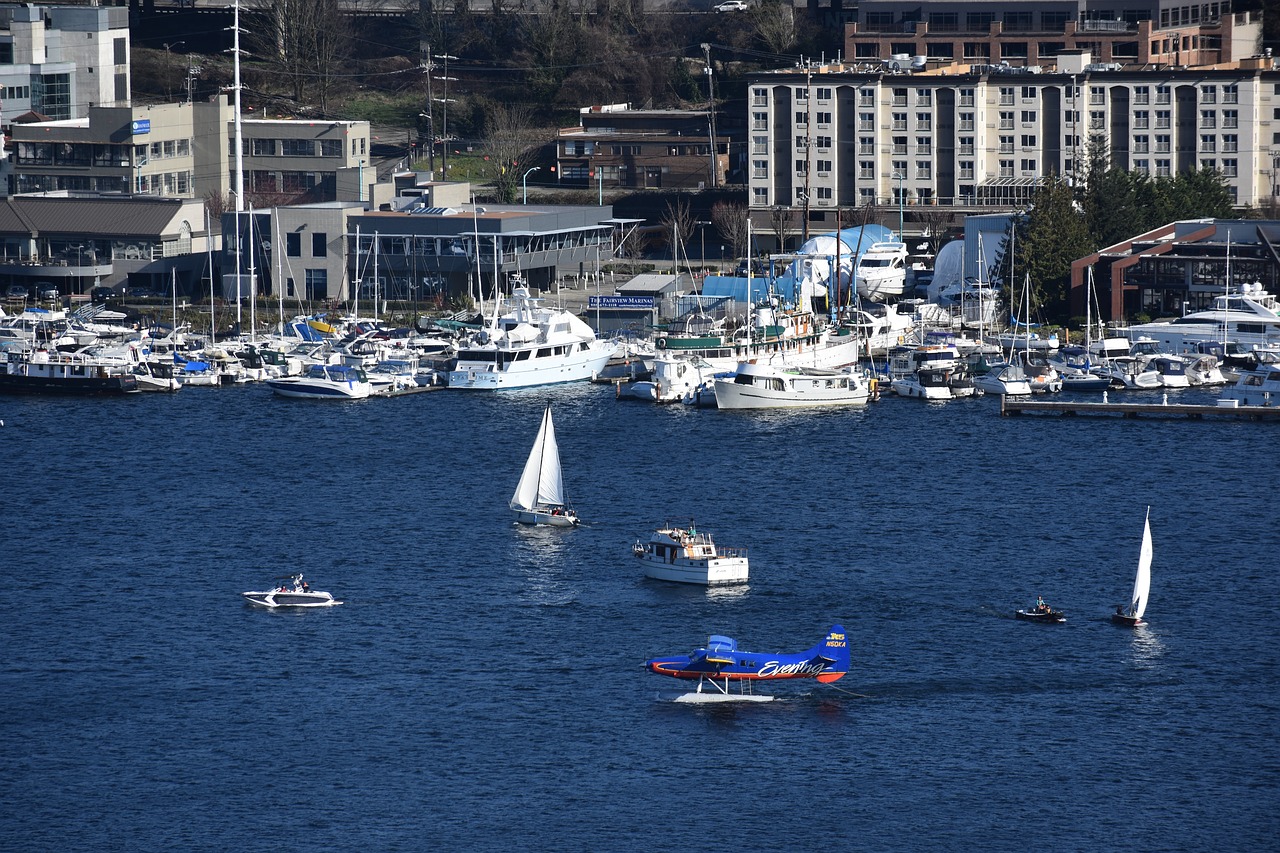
(759, 168)
(293, 244)
(966, 97)
(759, 97)
(866, 145)
(802, 93)
(802, 118)
(1097, 120)
(1231, 94)
(1163, 168)
(1097, 95)
(1162, 143)
(1230, 168)
(1142, 166)
(1028, 166)
(317, 283)
(759, 145)
(924, 145)
(1141, 145)
(760, 121)
(824, 93)
(866, 121)
(899, 145)
(1028, 93)
(966, 121)
(1028, 116)
(1208, 142)
(759, 196)
(319, 244)
(1028, 140)
(924, 97)
(1163, 94)
(802, 166)
(866, 97)
(824, 166)
(1230, 118)
(824, 193)
(1006, 168)
(1210, 165)
(1208, 118)
(1006, 145)
(1006, 120)
(924, 121)
(1141, 119)
(1006, 96)
(924, 170)
(944, 22)
(1162, 118)
(899, 98)
(966, 170)
(966, 145)
(822, 141)
(1142, 94)
(824, 119)
(866, 170)
(899, 121)
(1208, 94)
(1230, 143)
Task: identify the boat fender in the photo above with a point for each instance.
(874, 384)
(660, 343)
(900, 338)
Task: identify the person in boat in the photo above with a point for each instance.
(1041, 607)
(1119, 609)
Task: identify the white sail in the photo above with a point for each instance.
(1142, 583)
(542, 483)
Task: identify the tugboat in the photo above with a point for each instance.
(1041, 612)
(684, 555)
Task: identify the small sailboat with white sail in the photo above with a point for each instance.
(1141, 583)
(539, 496)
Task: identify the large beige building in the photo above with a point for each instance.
(973, 137)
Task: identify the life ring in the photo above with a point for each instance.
(874, 385)
(660, 343)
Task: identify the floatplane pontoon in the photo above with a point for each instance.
(722, 663)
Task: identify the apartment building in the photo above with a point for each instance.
(983, 137)
(1027, 34)
(61, 61)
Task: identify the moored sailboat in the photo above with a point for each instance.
(539, 497)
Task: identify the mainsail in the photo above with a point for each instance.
(542, 483)
(1142, 583)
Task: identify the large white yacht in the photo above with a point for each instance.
(763, 386)
(1249, 317)
(530, 345)
(881, 273)
(685, 555)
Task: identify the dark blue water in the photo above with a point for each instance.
(482, 689)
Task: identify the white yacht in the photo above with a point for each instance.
(1259, 387)
(324, 382)
(1009, 379)
(1204, 370)
(530, 345)
(684, 555)
(763, 386)
(679, 379)
(1250, 317)
(881, 273)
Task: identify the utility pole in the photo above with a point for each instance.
(444, 130)
(426, 66)
(711, 116)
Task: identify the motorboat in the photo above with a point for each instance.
(1259, 387)
(1041, 375)
(324, 382)
(529, 345)
(539, 497)
(1009, 379)
(1131, 372)
(1132, 617)
(1172, 370)
(44, 372)
(881, 272)
(930, 383)
(295, 592)
(678, 379)
(686, 555)
(765, 386)
(878, 327)
(1041, 612)
(1204, 370)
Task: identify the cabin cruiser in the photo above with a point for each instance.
(929, 383)
(1009, 379)
(1041, 375)
(295, 592)
(685, 555)
(44, 372)
(1249, 316)
(878, 327)
(1260, 387)
(1204, 370)
(678, 379)
(881, 273)
(764, 386)
(530, 345)
(324, 382)
(1130, 372)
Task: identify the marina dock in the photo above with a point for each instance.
(1011, 406)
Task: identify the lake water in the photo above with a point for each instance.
(482, 688)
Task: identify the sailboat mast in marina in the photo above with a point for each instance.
(539, 496)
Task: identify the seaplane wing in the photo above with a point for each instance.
(722, 659)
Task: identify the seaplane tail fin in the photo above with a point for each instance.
(835, 650)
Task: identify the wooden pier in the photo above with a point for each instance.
(1010, 406)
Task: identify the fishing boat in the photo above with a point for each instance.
(1041, 612)
(766, 386)
(296, 592)
(1141, 583)
(324, 382)
(539, 496)
(685, 555)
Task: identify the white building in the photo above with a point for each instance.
(986, 136)
(59, 61)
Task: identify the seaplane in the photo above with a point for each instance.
(722, 663)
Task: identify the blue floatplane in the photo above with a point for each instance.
(722, 662)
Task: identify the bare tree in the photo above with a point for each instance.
(677, 226)
(512, 138)
(730, 219)
(304, 40)
(780, 218)
(775, 26)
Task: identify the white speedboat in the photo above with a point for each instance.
(1130, 372)
(1172, 370)
(1260, 387)
(684, 555)
(678, 379)
(295, 592)
(324, 382)
(764, 386)
(530, 345)
(881, 273)
(1204, 370)
(539, 497)
(1008, 379)
(933, 383)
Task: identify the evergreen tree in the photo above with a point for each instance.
(1048, 239)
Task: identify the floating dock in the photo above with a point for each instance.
(1010, 406)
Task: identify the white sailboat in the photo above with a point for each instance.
(1141, 583)
(539, 497)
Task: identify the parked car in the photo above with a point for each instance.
(102, 294)
(45, 291)
(732, 6)
(17, 291)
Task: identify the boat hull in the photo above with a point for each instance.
(1051, 617)
(575, 368)
(275, 599)
(304, 391)
(720, 571)
(1124, 620)
(89, 386)
(544, 518)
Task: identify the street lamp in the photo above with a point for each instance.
(168, 48)
(524, 182)
(899, 176)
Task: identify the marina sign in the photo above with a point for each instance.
(140, 126)
(645, 302)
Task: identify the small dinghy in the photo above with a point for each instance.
(296, 592)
